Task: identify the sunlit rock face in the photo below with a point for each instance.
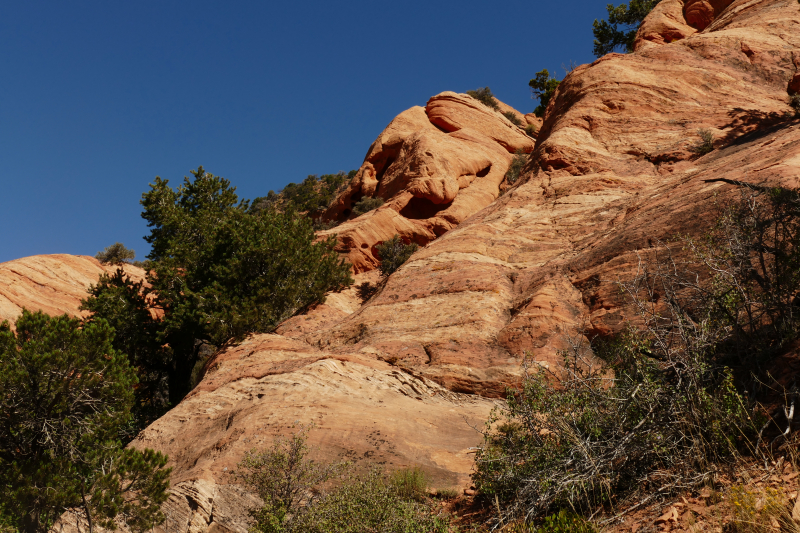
(398, 380)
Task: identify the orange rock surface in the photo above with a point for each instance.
(433, 167)
(55, 284)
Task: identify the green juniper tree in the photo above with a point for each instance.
(65, 394)
(619, 31)
(543, 87)
(219, 271)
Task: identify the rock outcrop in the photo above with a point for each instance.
(433, 167)
(613, 174)
(55, 284)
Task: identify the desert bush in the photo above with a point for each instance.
(794, 101)
(369, 503)
(484, 95)
(512, 117)
(365, 205)
(516, 166)
(284, 478)
(658, 409)
(290, 486)
(531, 130)
(116, 254)
(393, 254)
(366, 290)
(543, 87)
(447, 494)
(706, 144)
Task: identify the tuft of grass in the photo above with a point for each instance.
(513, 118)
(447, 494)
(516, 166)
(410, 483)
(484, 95)
(561, 522)
(531, 130)
(365, 205)
(706, 143)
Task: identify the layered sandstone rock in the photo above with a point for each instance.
(613, 175)
(55, 284)
(433, 167)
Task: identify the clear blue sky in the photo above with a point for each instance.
(97, 98)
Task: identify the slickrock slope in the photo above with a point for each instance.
(612, 174)
(434, 167)
(55, 284)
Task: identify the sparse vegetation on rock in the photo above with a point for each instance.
(393, 253)
(513, 118)
(290, 485)
(794, 102)
(660, 408)
(365, 205)
(65, 393)
(531, 130)
(310, 197)
(516, 166)
(116, 254)
(484, 95)
(706, 144)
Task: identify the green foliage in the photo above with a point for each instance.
(366, 290)
(365, 205)
(543, 87)
(531, 130)
(393, 254)
(484, 95)
(410, 483)
(619, 31)
(116, 254)
(706, 144)
(368, 503)
(219, 271)
(283, 477)
(561, 522)
(312, 196)
(289, 484)
(513, 118)
(794, 102)
(125, 305)
(65, 394)
(516, 166)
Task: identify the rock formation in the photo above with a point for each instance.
(55, 284)
(433, 167)
(613, 175)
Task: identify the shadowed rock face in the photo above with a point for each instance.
(612, 174)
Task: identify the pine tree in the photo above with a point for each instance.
(65, 393)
